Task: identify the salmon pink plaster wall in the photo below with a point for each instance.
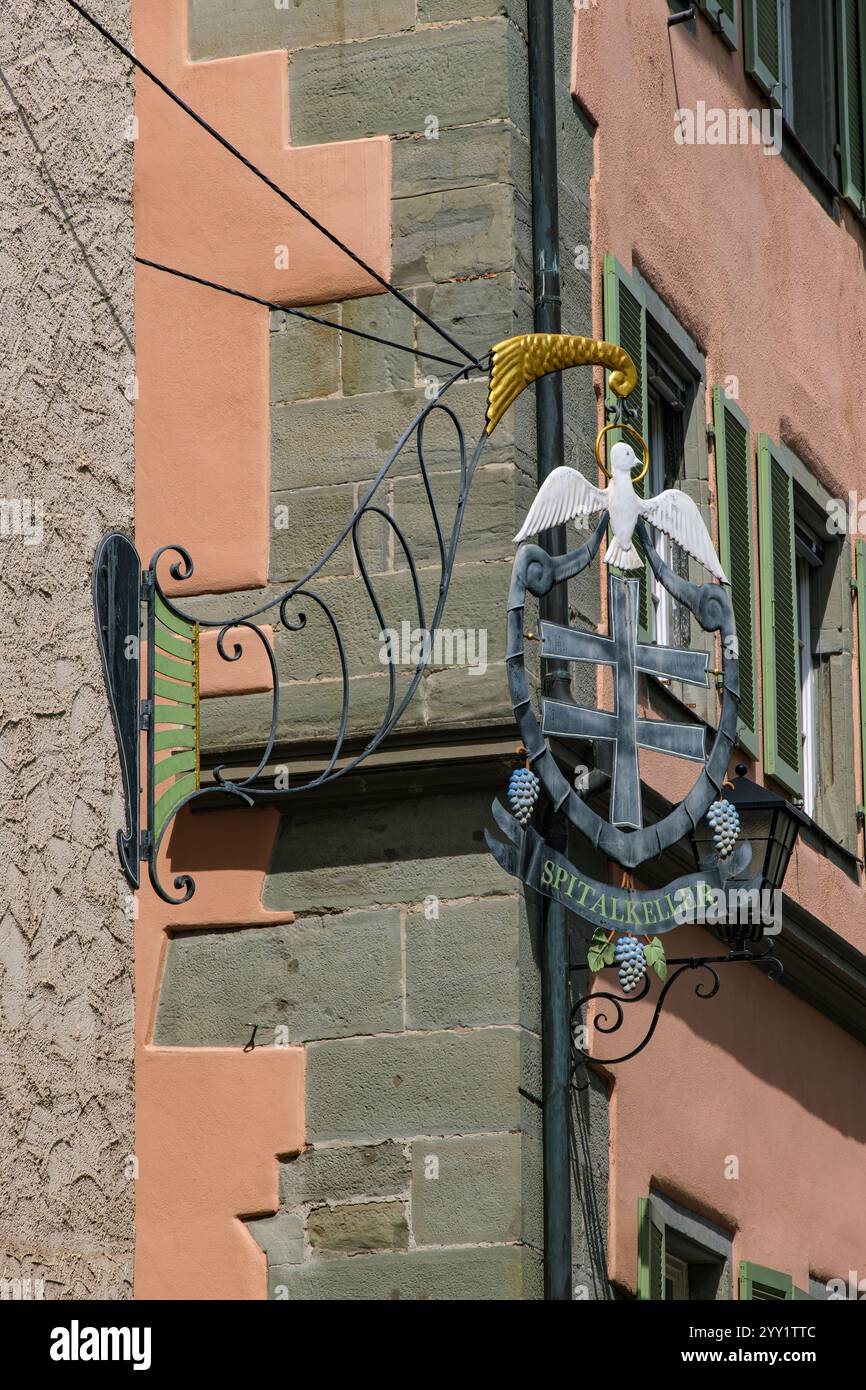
(771, 290)
(202, 438)
(757, 1076)
(211, 1122)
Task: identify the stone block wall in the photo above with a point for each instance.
(449, 84)
(410, 976)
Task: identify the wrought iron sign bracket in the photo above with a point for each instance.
(677, 967)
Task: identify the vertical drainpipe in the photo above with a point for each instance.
(554, 607)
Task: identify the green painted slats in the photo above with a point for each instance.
(860, 551)
(173, 766)
(723, 14)
(851, 86)
(179, 670)
(768, 1285)
(762, 34)
(174, 690)
(175, 714)
(176, 724)
(174, 738)
(650, 1252)
(172, 621)
(166, 803)
(780, 655)
(169, 643)
(737, 548)
(625, 324)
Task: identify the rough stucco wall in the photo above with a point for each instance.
(66, 326)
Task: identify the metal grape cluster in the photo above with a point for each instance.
(523, 789)
(631, 960)
(724, 822)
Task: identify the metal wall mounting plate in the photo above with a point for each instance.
(117, 610)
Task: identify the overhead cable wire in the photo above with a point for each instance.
(269, 182)
(296, 313)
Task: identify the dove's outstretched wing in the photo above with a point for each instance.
(563, 496)
(674, 513)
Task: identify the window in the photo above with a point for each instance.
(809, 96)
(809, 57)
(681, 1257)
(670, 411)
(806, 644)
(734, 493)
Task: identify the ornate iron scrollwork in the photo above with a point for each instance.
(678, 966)
(170, 710)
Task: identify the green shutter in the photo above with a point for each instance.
(780, 653)
(737, 548)
(650, 1252)
(851, 60)
(625, 324)
(175, 662)
(762, 32)
(723, 14)
(860, 551)
(769, 1285)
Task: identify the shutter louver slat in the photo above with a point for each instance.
(780, 667)
(763, 45)
(768, 33)
(737, 549)
(625, 324)
(785, 622)
(765, 1285)
(632, 332)
(651, 1257)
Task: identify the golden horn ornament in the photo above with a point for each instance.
(523, 359)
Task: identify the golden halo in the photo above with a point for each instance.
(635, 434)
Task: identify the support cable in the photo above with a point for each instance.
(296, 313)
(269, 182)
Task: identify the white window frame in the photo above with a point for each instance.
(807, 559)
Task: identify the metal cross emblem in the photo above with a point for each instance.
(627, 656)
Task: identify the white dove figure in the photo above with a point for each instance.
(567, 496)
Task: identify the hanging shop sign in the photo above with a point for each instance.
(628, 922)
(550, 873)
(159, 731)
